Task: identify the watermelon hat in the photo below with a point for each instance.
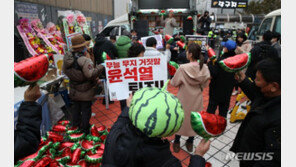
(156, 112)
(189, 18)
(207, 125)
(236, 63)
(169, 39)
(31, 70)
(181, 44)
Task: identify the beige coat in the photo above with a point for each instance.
(169, 25)
(191, 82)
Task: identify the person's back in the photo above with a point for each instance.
(122, 45)
(104, 45)
(152, 51)
(137, 140)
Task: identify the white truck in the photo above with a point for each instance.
(149, 10)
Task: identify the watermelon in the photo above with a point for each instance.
(156, 112)
(76, 136)
(181, 44)
(105, 56)
(87, 145)
(207, 125)
(162, 13)
(183, 38)
(82, 163)
(236, 63)
(30, 70)
(94, 157)
(189, 18)
(169, 39)
(172, 67)
(212, 54)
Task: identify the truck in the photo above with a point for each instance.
(149, 12)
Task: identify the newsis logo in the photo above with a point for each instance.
(260, 156)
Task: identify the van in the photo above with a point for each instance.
(116, 27)
(272, 22)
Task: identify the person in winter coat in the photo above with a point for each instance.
(128, 146)
(205, 22)
(243, 44)
(191, 78)
(152, 51)
(222, 82)
(169, 23)
(83, 83)
(122, 45)
(261, 51)
(260, 131)
(27, 133)
(103, 45)
(275, 42)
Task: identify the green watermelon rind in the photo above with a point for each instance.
(81, 136)
(170, 41)
(25, 80)
(226, 68)
(198, 126)
(213, 57)
(89, 159)
(140, 120)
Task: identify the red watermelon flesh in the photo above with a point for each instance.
(214, 124)
(33, 68)
(85, 144)
(237, 61)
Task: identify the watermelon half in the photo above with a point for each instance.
(189, 18)
(236, 63)
(156, 112)
(105, 56)
(207, 125)
(172, 67)
(30, 70)
(169, 39)
(181, 44)
(212, 54)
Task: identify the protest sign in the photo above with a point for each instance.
(125, 76)
(201, 40)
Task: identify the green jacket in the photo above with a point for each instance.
(122, 45)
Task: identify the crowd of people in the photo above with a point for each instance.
(126, 145)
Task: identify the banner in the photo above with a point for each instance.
(26, 10)
(229, 4)
(158, 38)
(201, 40)
(125, 76)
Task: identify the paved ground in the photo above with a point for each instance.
(219, 146)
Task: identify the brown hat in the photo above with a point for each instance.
(78, 42)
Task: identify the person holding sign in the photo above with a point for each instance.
(82, 75)
(191, 78)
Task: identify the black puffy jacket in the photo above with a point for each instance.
(126, 146)
(104, 45)
(222, 82)
(27, 133)
(260, 132)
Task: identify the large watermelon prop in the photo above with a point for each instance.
(31, 69)
(156, 112)
(207, 125)
(236, 63)
(169, 39)
(211, 54)
(172, 67)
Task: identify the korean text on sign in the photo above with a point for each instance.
(127, 75)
